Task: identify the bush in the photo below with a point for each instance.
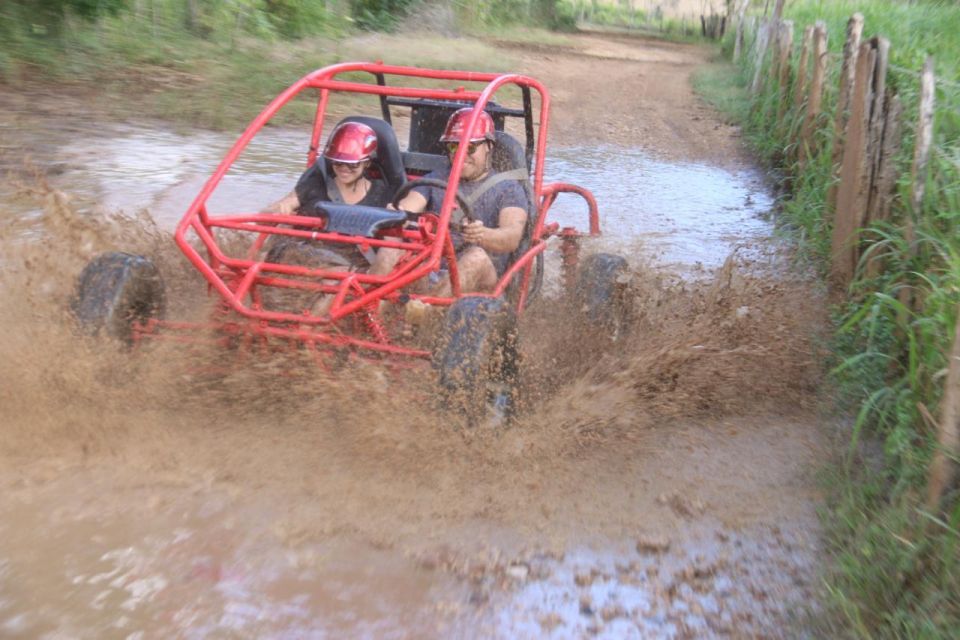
(298, 18)
(379, 15)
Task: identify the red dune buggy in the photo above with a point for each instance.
(474, 347)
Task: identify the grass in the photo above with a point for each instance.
(723, 86)
(523, 35)
(124, 65)
(915, 29)
(903, 564)
(895, 567)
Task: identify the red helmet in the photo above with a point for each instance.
(482, 130)
(351, 142)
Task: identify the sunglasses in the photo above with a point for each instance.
(349, 165)
(471, 148)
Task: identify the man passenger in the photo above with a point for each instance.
(498, 208)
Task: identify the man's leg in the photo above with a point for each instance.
(477, 273)
(387, 258)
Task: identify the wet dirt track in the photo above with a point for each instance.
(664, 490)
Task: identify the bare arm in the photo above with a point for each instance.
(285, 206)
(413, 202)
(503, 239)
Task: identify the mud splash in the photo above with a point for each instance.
(277, 501)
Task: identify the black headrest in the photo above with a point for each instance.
(508, 153)
(388, 156)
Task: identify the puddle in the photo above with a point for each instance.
(699, 584)
(684, 216)
(195, 566)
(163, 171)
(193, 563)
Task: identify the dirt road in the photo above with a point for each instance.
(662, 491)
(632, 92)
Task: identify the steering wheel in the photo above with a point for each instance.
(458, 217)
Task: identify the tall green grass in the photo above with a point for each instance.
(896, 572)
(217, 68)
(915, 29)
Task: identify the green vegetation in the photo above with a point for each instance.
(614, 15)
(200, 62)
(551, 14)
(625, 15)
(896, 572)
(215, 63)
(915, 28)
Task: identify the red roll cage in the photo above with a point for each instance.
(239, 280)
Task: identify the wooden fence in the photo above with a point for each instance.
(866, 139)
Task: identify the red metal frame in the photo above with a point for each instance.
(237, 280)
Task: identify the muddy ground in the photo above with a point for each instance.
(664, 489)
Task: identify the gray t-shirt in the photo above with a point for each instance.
(487, 208)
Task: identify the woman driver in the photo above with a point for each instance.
(348, 153)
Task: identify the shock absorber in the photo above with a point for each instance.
(371, 321)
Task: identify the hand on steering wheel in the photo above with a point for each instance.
(459, 215)
(474, 232)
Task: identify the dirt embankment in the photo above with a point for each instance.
(663, 489)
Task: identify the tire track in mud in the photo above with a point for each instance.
(663, 489)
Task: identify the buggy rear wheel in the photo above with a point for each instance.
(114, 291)
(602, 297)
(478, 360)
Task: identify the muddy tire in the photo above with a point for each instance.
(478, 361)
(601, 296)
(115, 290)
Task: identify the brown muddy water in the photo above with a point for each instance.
(663, 490)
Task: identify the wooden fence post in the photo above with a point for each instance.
(767, 31)
(850, 51)
(878, 119)
(800, 86)
(777, 12)
(918, 172)
(815, 100)
(883, 190)
(763, 37)
(853, 191)
(942, 468)
(738, 41)
(784, 52)
(921, 153)
(881, 199)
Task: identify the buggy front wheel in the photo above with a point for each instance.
(478, 361)
(113, 292)
(601, 296)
